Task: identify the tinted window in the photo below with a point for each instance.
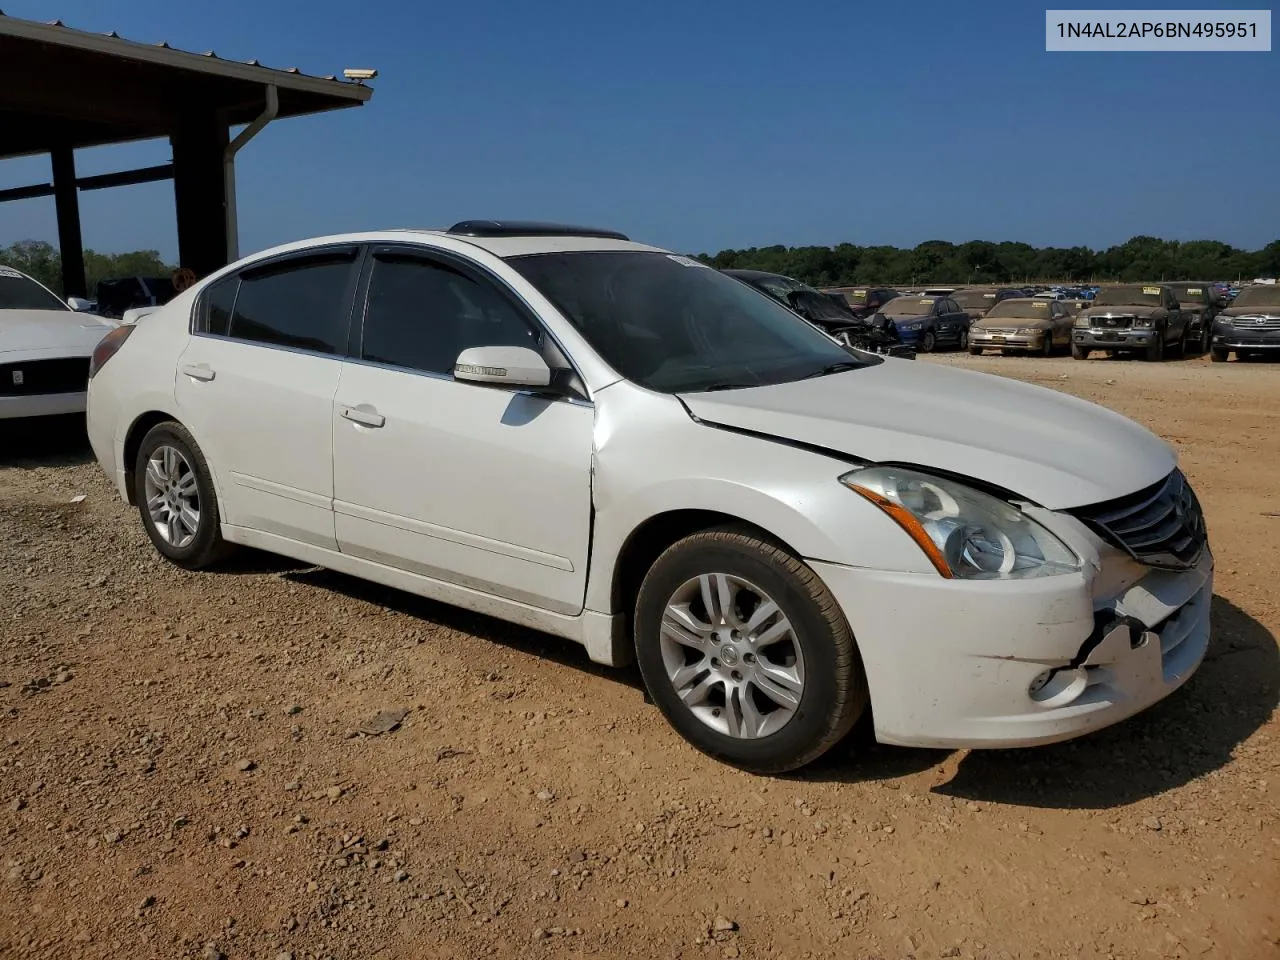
(668, 323)
(422, 314)
(219, 302)
(19, 292)
(295, 304)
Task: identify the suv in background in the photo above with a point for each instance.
(1250, 325)
(1144, 317)
(1201, 303)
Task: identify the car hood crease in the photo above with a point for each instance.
(1051, 448)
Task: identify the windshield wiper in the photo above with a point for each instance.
(728, 385)
(838, 367)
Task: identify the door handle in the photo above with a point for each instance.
(197, 371)
(365, 415)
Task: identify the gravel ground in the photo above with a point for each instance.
(193, 765)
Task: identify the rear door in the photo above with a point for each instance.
(255, 386)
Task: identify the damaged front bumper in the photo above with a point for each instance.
(954, 663)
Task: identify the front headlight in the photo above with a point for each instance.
(1029, 331)
(1145, 322)
(964, 532)
(1080, 322)
(912, 326)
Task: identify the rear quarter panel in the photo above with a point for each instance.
(138, 380)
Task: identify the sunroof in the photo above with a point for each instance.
(529, 228)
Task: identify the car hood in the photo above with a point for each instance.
(1000, 323)
(1133, 310)
(1261, 310)
(1051, 448)
(46, 330)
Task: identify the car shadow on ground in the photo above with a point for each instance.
(521, 639)
(1191, 733)
(44, 442)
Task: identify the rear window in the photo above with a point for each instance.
(20, 292)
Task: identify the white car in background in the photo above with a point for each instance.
(45, 348)
(601, 439)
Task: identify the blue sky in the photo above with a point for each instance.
(709, 124)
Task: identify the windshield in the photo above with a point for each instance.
(1259, 296)
(19, 292)
(673, 325)
(1190, 292)
(780, 286)
(908, 307)
(1023, 309)
(1129, 295)
(974, 299)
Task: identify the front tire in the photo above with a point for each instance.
(1046, 350)
(1079, 353)
(1155, 352)
(176, 498)
(1219, 354)
(928, 342)
(975, 351)
(746, 652)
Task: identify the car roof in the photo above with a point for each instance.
(499, 246)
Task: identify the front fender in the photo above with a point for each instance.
(651, 457)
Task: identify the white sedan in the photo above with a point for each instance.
(616, 444)
(45, 348)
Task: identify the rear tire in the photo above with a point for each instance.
(1218, 354)
(176, 498)
(1079, 353)
(767, 708)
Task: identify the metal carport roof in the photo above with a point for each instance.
(62, 89)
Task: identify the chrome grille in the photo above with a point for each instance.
(1111, 323)
(1161, 526)
(1245, 324)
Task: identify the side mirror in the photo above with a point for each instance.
(502, 366)
(80, 305)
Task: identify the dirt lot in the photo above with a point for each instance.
(182, 772)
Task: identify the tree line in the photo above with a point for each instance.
(40, 260)
(982, 261)
(934, 261)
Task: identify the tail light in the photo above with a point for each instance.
(108, 346)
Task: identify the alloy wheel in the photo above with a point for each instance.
(732, 656)
(172, 496)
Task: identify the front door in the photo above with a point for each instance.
(480, 486)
